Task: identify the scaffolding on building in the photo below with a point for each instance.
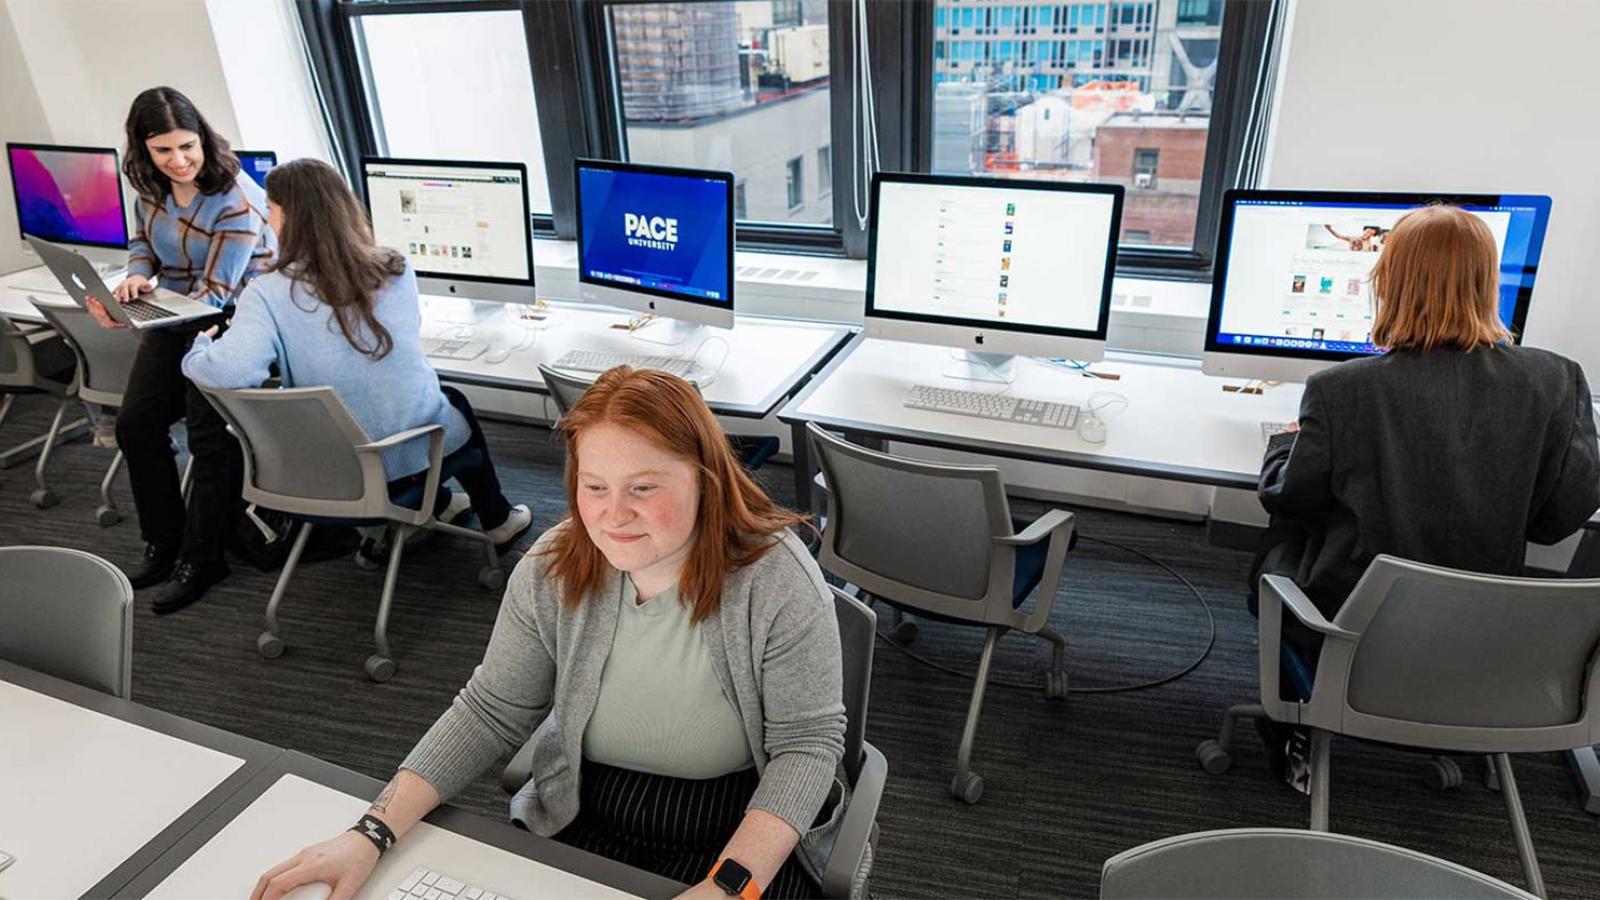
(677, 61)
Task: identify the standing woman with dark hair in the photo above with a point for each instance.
(338, 310)
(202, 231)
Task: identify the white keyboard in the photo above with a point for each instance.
(1002, 407)
(453, 348)
(426, 884)
(601, 360)
(1268, 429)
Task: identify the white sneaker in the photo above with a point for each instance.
(513, 527)
(105, 432)
(460, 504)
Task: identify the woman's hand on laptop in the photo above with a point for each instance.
(98, 311)
(132, 287)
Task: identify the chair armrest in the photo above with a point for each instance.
(395, 440)
(519, 770)
(1038, 529)
(860, 814)
(1290, 595)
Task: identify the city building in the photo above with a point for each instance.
(1160, 159)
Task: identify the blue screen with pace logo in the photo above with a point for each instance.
(657, 232)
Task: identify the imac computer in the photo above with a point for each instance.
(658, 241)
(1292, 289)
(464, 226)
(995, 267)
(73, 196)
(256, 164)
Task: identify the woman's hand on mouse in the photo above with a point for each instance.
(343, 862)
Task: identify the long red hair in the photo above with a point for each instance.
(736, 522)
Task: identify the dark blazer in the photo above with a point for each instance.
(1449, 457)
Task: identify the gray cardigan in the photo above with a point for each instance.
(775, 647)
(1450, 457)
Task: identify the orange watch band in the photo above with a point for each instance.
(750, 891)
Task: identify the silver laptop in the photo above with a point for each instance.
(158, 309)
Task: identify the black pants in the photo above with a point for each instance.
(477, 478)
(157, 396)
(674, 827)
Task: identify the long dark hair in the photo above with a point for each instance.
(326, 242)
(158, 111)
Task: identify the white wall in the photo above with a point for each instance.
(22, 118)
(1467, 95)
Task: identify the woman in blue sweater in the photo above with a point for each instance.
(202, 231)
(338, 310)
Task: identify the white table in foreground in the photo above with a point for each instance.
(766, 359)
(1178, 424)
(86, 794)
(300, 800)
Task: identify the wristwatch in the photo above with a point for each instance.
(735, 880)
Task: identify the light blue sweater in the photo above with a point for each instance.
(280, 320)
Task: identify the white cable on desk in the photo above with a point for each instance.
(727, 350)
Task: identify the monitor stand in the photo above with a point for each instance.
(663, 331)
(107, 261)
(996, 368)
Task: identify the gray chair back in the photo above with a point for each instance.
(924, 525)
(1289, 864)
(67, 613)
(300, 452)
(565, 388)
(105, 355)
(16, 356)
(1434, 657)
(858, 627)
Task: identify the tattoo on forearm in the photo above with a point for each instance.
(381, 805)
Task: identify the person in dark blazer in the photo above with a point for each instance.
(1455, 447)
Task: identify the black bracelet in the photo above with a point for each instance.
(375, 831)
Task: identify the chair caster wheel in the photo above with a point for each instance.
(1214, 758)
(1055, 685)
(492, 577)
(968, 789)
(107, 516)
(905, 632)
(269, 645)
(1442, 774)
(379, 668)
(44, 498)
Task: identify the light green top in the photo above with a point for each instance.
(661, 709)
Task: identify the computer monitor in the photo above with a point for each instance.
(1292, 292)
(464, 226)
(70, 195)
(256, 164)
(657, 240)
(996, 267)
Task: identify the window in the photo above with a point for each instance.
(740, 86)
(453, 85)
(796, 183)
(824, 171)
(1131, 101)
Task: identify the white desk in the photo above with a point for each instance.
(300, 800)
(14, 294)
(1178, 425)
(767, 359)
(93, 787)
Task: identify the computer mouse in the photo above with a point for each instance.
(315, 890)
(1092, 429)
(497, 355)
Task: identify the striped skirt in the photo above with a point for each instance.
(674, 827)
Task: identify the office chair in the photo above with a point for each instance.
(939, 540)
(105, 357)
(307, 456)
(850, 857)
(1439, 659)
(1289, 864)
(47, 367)
(565, 389)
(67, 613)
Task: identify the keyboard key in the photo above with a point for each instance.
(413, 878)
(448, 885)
(430, 878)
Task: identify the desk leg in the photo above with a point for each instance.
(1586, 772)
(805, 498)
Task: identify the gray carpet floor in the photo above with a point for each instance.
(1069, 783)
